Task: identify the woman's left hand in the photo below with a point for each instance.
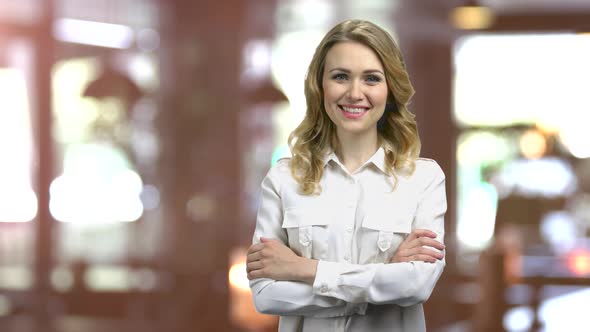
(274, 260)
(413, 248)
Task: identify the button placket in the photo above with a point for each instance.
(352, 200)
(348, 239)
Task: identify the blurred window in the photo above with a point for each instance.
(522, 115)
(18, 198)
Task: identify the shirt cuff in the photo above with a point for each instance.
(326, 283)
(326, 278)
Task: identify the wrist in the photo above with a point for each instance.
(307, 269)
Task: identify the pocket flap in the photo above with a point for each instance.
(385, 240)
(297, 217)
(397, 222)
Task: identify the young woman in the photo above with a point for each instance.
(349, 231)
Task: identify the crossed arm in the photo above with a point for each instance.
(274, 260)
(286, 284)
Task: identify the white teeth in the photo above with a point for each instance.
(352, 110)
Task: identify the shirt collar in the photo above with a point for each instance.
(330, 155)
(378, 159)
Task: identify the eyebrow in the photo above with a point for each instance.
(368, 71)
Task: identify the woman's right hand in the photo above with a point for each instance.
(413, 248)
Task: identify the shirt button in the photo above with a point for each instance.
(347, 258)
(349, 229)
(324, 289)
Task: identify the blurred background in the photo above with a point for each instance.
(134, 135)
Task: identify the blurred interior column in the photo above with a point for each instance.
(426, 40)
(43, 62)
(201, 99)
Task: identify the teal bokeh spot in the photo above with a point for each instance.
(280, 151)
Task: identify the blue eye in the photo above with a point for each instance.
(339, 77)
(373, 79)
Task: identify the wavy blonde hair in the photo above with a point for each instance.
(316, 134)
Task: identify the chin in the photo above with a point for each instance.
(357, 129)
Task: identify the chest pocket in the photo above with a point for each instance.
(383, 233)
(307, 231)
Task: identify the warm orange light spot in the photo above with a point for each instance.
(238, 277)
(241, 311)
(579, 262)
(533, 144)
(471, 17)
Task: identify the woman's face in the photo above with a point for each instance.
(355, 90)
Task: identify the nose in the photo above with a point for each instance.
(355, 92)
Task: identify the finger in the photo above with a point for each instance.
(410, 258)
(411, 237)
(399, 259)
(411, 244)
(266, 239)
(422, 258)
(407, 242)
(256, 274)
(425, 252)
(409, 252)
(253, 257)
(424, 233)
(417, 233)
(424, 241)
(431, 243)
(406, 252)
(255, 247)
(254, 266)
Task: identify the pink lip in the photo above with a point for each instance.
(353, 115)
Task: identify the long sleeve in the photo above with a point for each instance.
(287, 298)
(404, 284)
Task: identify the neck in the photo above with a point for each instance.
(354, 150)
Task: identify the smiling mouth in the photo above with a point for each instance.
(352, 109)
(353, 112)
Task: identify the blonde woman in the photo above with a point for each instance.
(349, 231)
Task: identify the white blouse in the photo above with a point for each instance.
(353, 227)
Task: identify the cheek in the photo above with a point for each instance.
(382, 96)
(328, 95)
(332, 92)
(379, 99)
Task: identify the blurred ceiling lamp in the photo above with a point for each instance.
(532, 144)
(471, 16)
(113, 83)
(93, 33)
